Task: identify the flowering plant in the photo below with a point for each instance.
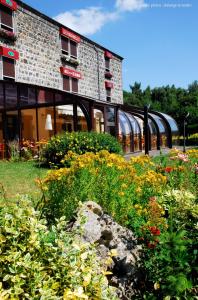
(8, 35)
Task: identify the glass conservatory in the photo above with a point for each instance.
(33, 113)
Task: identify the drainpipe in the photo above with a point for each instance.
(98, 69)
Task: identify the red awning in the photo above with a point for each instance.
(108, 54)
(70, 73)
(70, 35)
(108, 85)
(9, 3)
(9, 53)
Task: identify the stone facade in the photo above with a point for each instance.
(39, 46)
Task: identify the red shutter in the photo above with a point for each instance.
(74, 85)
(70, 73)
(108, 54)
(9, 3)
(65, 44)
(70, 35)
(6, 17)
(66, 84)
(8, 67)
(9, 53)
(108, 85)
(73, 49)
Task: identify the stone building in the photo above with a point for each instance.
(53, 79)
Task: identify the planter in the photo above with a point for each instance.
(8, 35)
(67, 59)
(108, 75)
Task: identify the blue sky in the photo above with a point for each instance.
(157, 38)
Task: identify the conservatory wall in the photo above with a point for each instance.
(32, 113)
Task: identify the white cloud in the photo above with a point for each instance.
(89, 20)
(86, 21)
(130, 5)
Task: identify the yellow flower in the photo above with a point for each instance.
(121, 193)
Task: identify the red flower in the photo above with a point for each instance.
(151, 245)
(154, 230)
(168, 169)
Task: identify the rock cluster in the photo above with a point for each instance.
(100, 229)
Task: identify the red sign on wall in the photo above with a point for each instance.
(9, 53)
(9, 3)
(70, 35)
(108, 54)
(70, 73)
(108, 85)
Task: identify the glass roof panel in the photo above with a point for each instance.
(124, 123)
(152, 127)
(159, 122)
(140, 122)
(171, 122)
(134, 123)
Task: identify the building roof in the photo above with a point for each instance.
(26, 6)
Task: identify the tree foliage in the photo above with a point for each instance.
(176, 102)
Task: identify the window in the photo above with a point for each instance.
(70, 84)
(6, 17)
(69, 47)
(107, 64)
(10, 95)
(108, 94)
(8, 68)
(45, 123)
(64, 118)
(27, 95)
(73, 49)
(65, 45)
(74, 82)
(1, 96)
(45, 96)
(28, 125)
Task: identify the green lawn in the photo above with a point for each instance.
(19, 178)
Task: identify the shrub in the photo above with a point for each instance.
(38, 262)
(78, 142)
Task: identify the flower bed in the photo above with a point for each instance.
(156, 199)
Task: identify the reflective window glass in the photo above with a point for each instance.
(110, 114)
(28, 125)
(125, 133)
(27, 95)
(45, 96)
(98, 121)
(45, 123)
(12, 126)
(1, 129)
(82, 122)
(64, 118)
(10, 95)
(1, 96)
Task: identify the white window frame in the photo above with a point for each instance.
(70, 85)
(6, 26)
(2, 76)
(69, 47)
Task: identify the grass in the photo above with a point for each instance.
(19, 178)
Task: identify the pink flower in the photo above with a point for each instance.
(183, 157)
